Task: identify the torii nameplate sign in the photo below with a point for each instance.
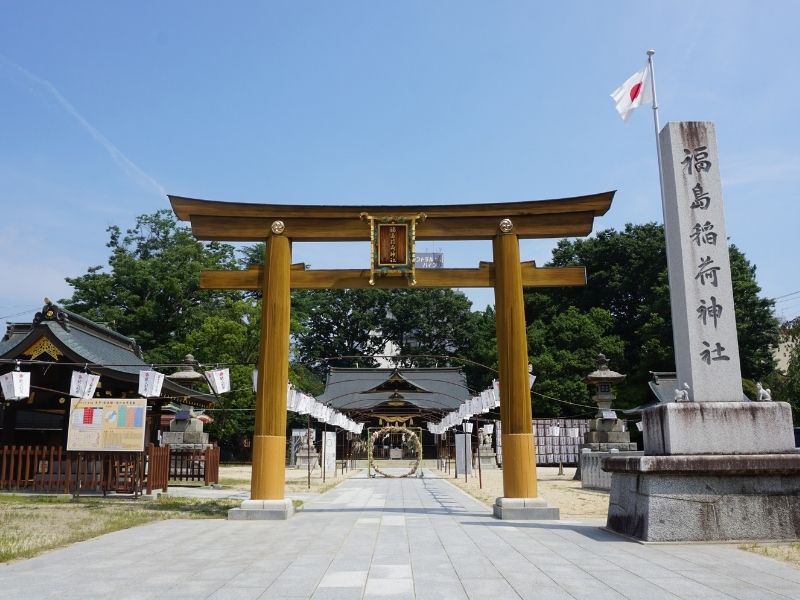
(392, 230)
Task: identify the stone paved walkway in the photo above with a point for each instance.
(391, 538)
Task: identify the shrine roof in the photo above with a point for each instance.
(82, 341)
(430, 389)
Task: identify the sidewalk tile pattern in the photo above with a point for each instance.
(392, 539)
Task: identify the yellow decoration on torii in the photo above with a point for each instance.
(392, 241)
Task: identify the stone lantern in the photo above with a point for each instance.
(604, 380)
(606, 433)
(186, 375)
(186, 429)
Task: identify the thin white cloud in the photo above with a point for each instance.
(126, 164)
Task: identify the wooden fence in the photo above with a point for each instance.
(52, 469)
(157, 468)
(195, 465)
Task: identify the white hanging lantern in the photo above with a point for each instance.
(477, 405)
(291, 399)
(304, 405)
(219, 380)
(468, 427)
(83, 384)
(150, 383)
(16, 385)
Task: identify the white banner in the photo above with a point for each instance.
(16, 385)
(219, 380)
(83, 385)
(150, 383)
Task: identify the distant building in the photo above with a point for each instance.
(54, 345)
(782, 353)
(429, 260)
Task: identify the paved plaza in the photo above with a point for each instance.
(391, 538)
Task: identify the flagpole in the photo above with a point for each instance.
(657, 127)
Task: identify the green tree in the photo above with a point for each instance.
(627, 276)
(480, 364)
(339, 327)
(151, 289)
(435, 322)
(756, 325)
(228, 338)
(785, 387)
(563, 348)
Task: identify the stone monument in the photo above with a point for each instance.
(463, 446)
(714, 467)
(185, 432)
(329, 452)
(488, 457)
(307, 454)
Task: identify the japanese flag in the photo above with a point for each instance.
(636, 89)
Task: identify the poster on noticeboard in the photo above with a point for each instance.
(107, 425)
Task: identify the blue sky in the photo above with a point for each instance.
(106, 106)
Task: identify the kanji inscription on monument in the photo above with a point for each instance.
(701, 291)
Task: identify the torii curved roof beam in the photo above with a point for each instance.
(239, 221)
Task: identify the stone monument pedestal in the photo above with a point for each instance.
(262, 510)
(605, 436)
(527, 509)
(608, 434)
(718, 428)
(712, 471)
(488, 458)
(307, 456)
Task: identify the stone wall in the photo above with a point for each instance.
(592, 474)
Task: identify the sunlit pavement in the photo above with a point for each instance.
(391, 538)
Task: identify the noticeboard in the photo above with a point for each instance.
(107, 425)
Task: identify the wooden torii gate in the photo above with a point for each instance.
(503, 223)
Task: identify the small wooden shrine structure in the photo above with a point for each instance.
(58, 342)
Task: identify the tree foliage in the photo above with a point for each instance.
(627, 276)
(563, 345)
(339, 327)
(426, 327)
(785, 386)
(151, 289)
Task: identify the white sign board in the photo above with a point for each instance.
(463, 445)
(701, 291)
(329, 451)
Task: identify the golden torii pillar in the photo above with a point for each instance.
(502, 223)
